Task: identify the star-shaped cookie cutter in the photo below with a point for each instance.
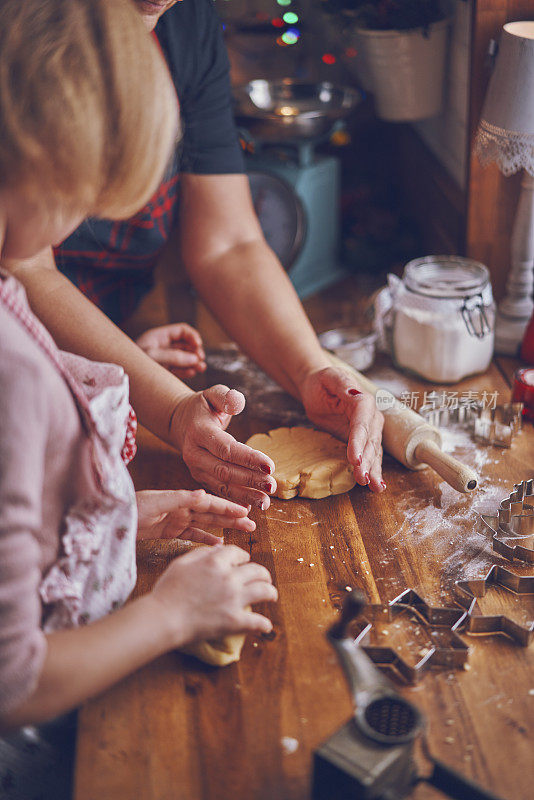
(447, 650)
(469, 591)
(513, 524)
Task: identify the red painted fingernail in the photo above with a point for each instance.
(382, 484)
(353, 392)
(367, 478)
(265, 468)
(267, 487)
(359, 460)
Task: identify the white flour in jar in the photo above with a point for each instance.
(438, 320)
(438, 346)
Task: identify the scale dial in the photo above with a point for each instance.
(281, 215)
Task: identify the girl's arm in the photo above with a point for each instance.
(82, 662)
(201, 595)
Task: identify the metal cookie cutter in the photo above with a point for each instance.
(469, 591)
(513, 524)
(496, 426)
(381, 752)
(444, 647)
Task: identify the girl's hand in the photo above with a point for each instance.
(215, 459)
(170, 515)
(177, 347)
(205, 594)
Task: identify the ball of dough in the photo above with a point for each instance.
(308, 463)
(218, 652)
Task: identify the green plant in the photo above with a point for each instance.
(388, 14)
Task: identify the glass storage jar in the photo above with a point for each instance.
(443, 318)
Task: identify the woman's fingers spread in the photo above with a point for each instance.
(225, 448)
(376, 481)
(239, 494)
(373, 450)
(362, 411)
(226, 473)
(251, 497)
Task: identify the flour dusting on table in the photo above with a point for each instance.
(266, 400)
(448, 522)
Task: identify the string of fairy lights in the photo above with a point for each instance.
(286, 20)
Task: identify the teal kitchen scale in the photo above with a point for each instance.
(296, 191)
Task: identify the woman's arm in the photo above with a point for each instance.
(201, 595)
(78, 326)
(242, 282)
(193, 422)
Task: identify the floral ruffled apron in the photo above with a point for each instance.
(95, 571)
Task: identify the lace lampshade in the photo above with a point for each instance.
(505, 133)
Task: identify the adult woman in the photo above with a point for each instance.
(236, 274)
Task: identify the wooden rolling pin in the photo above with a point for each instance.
(411, 440)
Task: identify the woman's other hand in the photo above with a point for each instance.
(334, 401)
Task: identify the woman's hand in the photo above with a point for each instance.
(214, 458)
(177, 347)
(204, 595)
(183, 514)
(333, 401)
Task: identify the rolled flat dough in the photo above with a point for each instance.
(308, 463)
(219, 652)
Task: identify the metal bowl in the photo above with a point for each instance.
(355, 347)
(279, 111)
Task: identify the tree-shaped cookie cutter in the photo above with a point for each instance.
(513, 524)
(469, 591)
(447, 651)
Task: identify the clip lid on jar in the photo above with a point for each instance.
(442, 318)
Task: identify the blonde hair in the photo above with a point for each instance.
(87, 107)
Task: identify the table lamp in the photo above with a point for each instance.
(505, 136)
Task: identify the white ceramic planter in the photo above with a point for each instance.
(405, 70)
(357, 65)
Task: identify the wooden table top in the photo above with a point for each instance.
(181, 729)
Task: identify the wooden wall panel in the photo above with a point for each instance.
(491, 198)
(430, 195)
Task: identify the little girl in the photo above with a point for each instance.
(80, 113)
